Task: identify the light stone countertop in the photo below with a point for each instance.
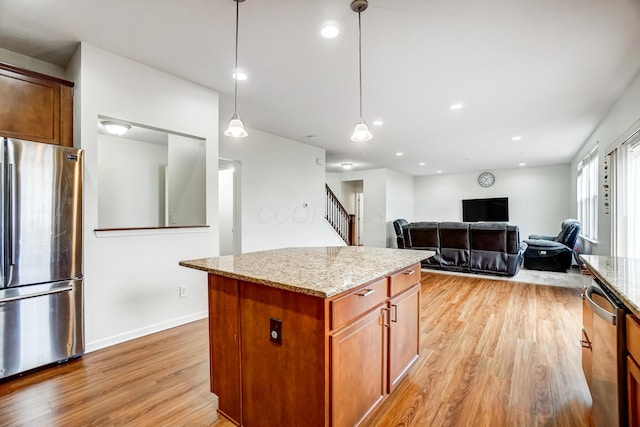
(620, 275)
(321, 271)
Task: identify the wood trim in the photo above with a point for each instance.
(150, 228)
(35, 74)
(66, 116)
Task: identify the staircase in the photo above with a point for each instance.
(338, 217)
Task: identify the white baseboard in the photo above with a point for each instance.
(141, 332)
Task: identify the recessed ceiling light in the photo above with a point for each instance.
(456, 106)
(421, 164)
(522, 164)
(516, 138)
(330, 31)
(438, 171)
(240, 76)
(378, 122)
(347, 166)
(399, 154)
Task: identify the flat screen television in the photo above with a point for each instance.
(496, 210)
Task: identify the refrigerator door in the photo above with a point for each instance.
(43, 230)
(39, 325)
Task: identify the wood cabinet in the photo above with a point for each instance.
(35, 107)
(338, 359)
(633, 388)
(358, 373)
(225, 344)
(404, 334)
(633, 370)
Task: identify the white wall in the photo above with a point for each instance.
(28, 63)
(622, 118)
(400, 202)
(132, 281)
(187, 171)
(225, 223)
(539, 197)
(375, 202)
(131, 192)
(278, 176)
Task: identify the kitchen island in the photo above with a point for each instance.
(311, 336)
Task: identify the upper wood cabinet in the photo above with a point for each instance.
(35, 107)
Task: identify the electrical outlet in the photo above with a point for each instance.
(183, 291)
(275, 330)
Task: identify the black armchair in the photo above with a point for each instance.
(397, 225)
(552, 253)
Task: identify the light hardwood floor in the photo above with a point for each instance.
(494, 353)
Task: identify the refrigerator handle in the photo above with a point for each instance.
(11, 213)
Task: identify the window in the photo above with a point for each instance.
(627, 197)
(587, 199)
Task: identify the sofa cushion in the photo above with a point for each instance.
(488, 237)
(454, 235)
(544, 244)
(423, 235)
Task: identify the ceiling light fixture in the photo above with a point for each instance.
(421, 164)
(115, 128)
(522, 164)
(399, 153)
(438, 171)
(236, 128)
(516, 138)
(457, 106)
(330, 32)
(347, 166)
(378, 122)
(361, 132)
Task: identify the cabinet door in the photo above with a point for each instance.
(35, 108)
(358, 359)
(633, 387)
(404, 334)
(585, 341)
(224, 345)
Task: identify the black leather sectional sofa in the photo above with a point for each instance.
(492, 248)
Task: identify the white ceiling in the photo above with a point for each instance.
(548, 70)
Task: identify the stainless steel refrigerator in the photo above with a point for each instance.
(41, 304)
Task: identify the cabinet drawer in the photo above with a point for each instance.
(404, 279)
(633, 337)
(357, 302)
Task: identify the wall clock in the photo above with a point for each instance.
(486, 179)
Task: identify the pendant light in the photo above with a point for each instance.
(236, 128)
(361, 132)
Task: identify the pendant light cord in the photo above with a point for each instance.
(360, 61)
(235, 71)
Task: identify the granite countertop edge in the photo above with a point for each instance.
(613, 287)
(335, 290)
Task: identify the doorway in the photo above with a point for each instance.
(353, 200)
(229, 206)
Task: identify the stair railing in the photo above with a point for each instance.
(338, 217)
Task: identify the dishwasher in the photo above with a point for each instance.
(603, 359)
